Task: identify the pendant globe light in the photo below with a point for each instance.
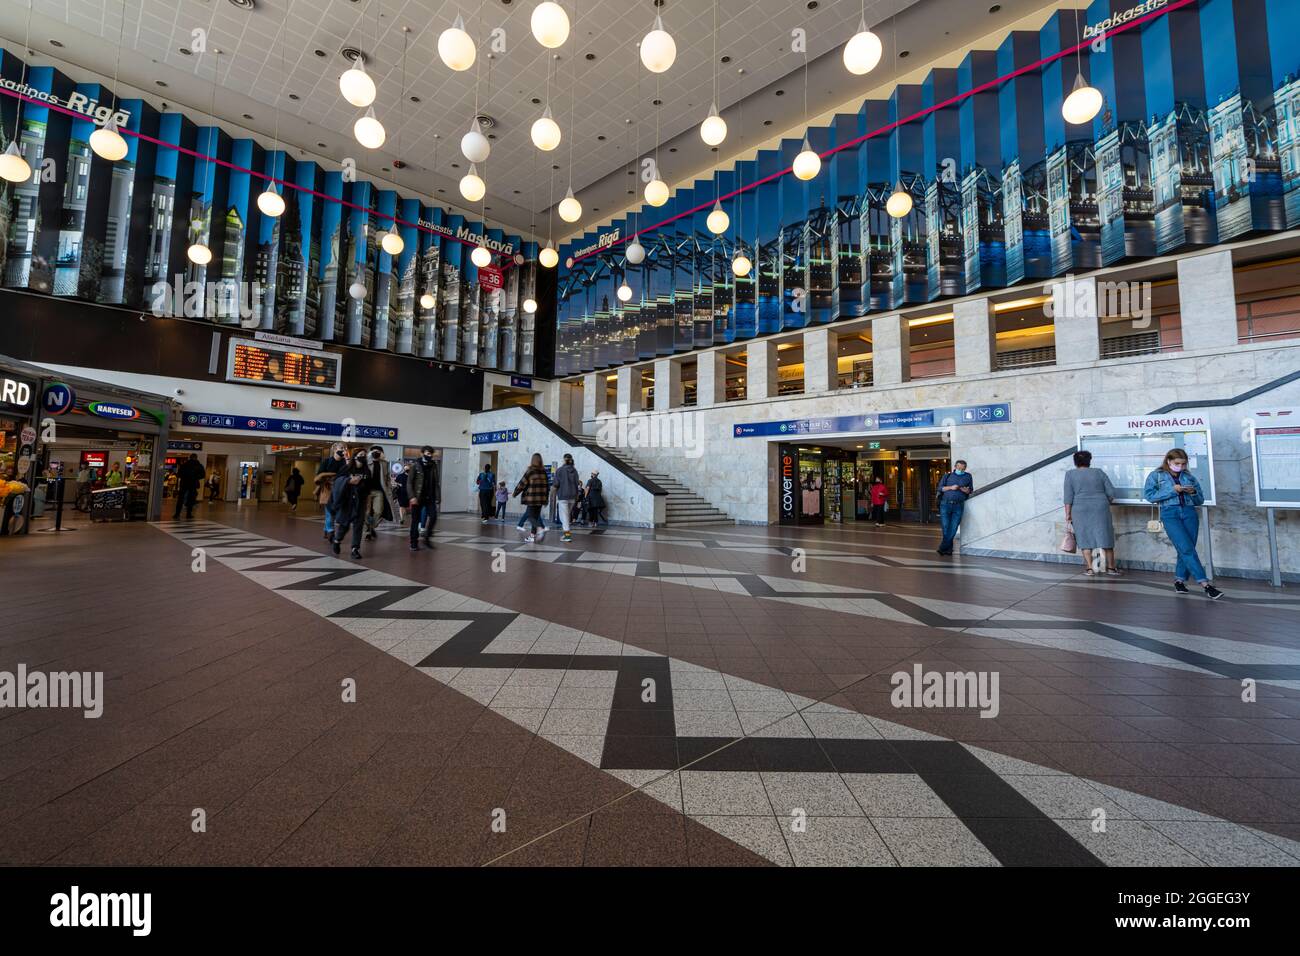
(550, 25)
(714, 128)
(12, 165)
(369, 132)
(474, 146)
(269, 201)
(356, 85)
(472, 186)
(863, 51)
(530, 305)
(635, 252)
(624, 292)
(1083, 103)
(392, 241)
(740, 264)
(456, 47)
(427, 300)
(807, 164)
(570, 209)
(106, 142)
(548, 257)
(658, 49)
(656, 192)
(198, 252)
(718, 220)
(899, 203)
(357, 290)
(481, 256)
(545, 131)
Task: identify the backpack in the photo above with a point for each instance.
(486, 482)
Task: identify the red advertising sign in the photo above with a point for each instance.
(490, 277)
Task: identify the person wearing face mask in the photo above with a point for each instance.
(595, 497)
(326, 472)
(954, 488)
(350, 502)
(425, 499)
(1177, 493)
(379, 491)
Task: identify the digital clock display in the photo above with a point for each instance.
(260, 363)
(284, 404)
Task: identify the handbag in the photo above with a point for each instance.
(1153, 524)
(1068, 543)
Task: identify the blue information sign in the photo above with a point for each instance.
(286, 426)
(496, 438)
(880, 421)
(521, 381)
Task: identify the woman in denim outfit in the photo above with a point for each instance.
(1177, 493)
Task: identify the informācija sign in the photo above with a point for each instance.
(1130, 447)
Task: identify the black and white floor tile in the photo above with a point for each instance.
(797, 781)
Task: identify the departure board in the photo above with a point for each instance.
(262, 363)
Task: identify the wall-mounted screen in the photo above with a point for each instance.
(262, 363)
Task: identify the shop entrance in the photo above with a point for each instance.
(831, 482)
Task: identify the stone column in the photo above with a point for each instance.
(629, 390)
(711, 379)
(891, 350)
(1207, 301)
(1077, 328)
(668, 384)
(820, 370)
(548, 400)
(593, 395)
(760, 369)
(974, 330)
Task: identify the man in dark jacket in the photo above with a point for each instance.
(954, 488)
(425, 488)
(595, 499)
(567, 485)
(326, 472)
(486, 482)
(350, 499)
(533, 491)
(188, 478)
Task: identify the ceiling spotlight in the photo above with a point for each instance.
(807, 164)
(1083, 103)
(270, 202)
(570, 209)
(474, 145)
(656, 192)
(12, 165)
(899, 203)
(741, 265)
(427, 300)
(546, 132)
(862, 52)
(471, 186)
(199, 254)
(548, 257)
(658, 51)
(635, 252)
(481, 257)
(368, 130)
(530, 305)
(718, 220)
(108, 143)
(550, 25)
(356, 85)
(456, 47)
(714, 128)
(624, 292)
(392, 241)
(357, 290)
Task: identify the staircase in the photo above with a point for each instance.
(684, 509)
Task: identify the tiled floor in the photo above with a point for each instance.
(713, 697)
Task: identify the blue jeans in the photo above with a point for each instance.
(949, 521)
(419, 515)
(329, 518)
(540, 521)
(1183, 524)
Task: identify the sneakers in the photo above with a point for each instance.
(336, 546)
(540, 535)
(1212, 592)
(1181, 588)
(523, 533)
(566, 537)
(483, 521)
(356, 554)
(415, 546)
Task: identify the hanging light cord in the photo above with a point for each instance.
(27, 42)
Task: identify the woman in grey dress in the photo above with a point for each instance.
(1088, 496)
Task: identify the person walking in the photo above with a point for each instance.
(115, 476)
(954, 488)
(567, 485)
(401, 491)
(486, 482)
(879, 497)
(326, 472)
(533, 492)
(595, 499)
(379, 492)
(189, 478)
(1177, 493)
(351, 502)
(1088, 497)
(293, 488)
(503, 498)
(425, 497)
